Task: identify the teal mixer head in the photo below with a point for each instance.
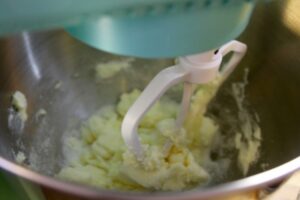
(145, 28)
(166, 28)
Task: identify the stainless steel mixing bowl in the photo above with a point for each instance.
(35, 62)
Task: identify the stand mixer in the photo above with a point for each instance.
(34, 62)
(147, 29)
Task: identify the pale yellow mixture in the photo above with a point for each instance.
(19, 102)
(174, 159)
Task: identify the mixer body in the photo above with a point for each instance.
(152, 29)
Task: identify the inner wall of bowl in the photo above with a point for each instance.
(56, 73)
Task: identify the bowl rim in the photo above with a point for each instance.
(248, 183)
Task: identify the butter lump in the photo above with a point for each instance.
(177, 171)
(20, 157)
(109, 69)
(17, 112)
(19, 102)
